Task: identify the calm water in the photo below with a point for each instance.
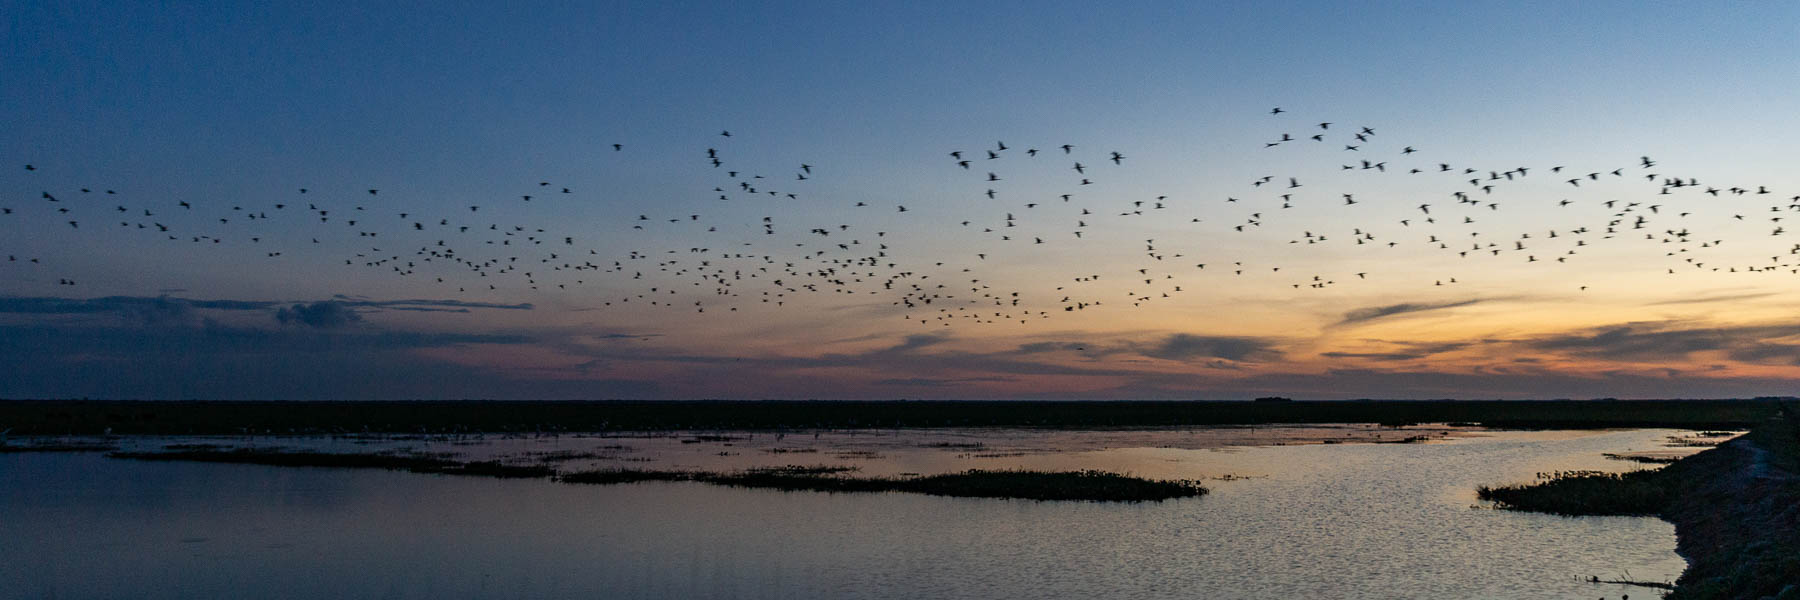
(1300, 521)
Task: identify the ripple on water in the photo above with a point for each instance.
(1348, 520)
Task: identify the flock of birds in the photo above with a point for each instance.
(696, 262)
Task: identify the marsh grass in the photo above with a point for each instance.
(613, 476)
(1639, 458)
(701, 439)
(489, 468)
(802, 470)
(1586, 493)
(1030, 485)
(566, 455)
(1088, 485)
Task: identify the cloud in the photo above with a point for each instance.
(1406, 351)
(213, 361)
(1184, 346)
(1177, 346)
(210, 337)
(1523, 383)
(1041, 347)
(620, 336)
(1088, 349)
(160, 310)
(164, 310)
(428, 305)
(1664, 341)
(1371, 313)
(1635, 341)
(167, 309)
(1373, 355)
(901, 361)
(1787, 354)
(1731, 298)
(324, 314)
(940, 382)
(120, 304)
(915, 342)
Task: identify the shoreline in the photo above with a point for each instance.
(1735, 507)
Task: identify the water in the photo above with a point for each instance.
(1294, 521)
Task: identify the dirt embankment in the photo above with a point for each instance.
(1736, 510)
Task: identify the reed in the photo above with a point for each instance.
(1087, 485)
(1585, 493)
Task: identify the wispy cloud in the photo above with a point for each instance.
(1669, 341)
(40, 305)
(1362, 315)
(428, 305)
(1174, 346)
(938, 382)
(207, 359)
(1710, 299)
(158, 310)
(338, 311)
(1404, 351)
(1185, 346)
(324, 314)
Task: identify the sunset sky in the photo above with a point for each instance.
(455, 114)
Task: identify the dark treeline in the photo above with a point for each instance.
(80, 417)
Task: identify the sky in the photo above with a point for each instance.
(540, 201)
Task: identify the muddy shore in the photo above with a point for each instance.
(1736, 510)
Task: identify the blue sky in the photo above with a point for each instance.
(234, 108)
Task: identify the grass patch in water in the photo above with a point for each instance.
(566, 455)
(612, 476)
(1028, 485)
(391, 462)
(1640, 458)
(1585, 493)
(1073, 485)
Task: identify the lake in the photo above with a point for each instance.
(1288, 517)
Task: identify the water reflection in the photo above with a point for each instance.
(1340, 520)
